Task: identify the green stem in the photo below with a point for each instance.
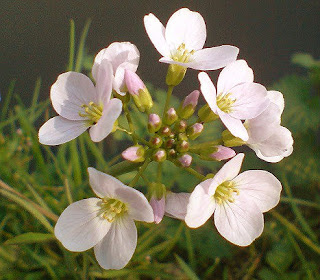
(71, 45)
(300, 202)
(166, 106)
(123, 167)
(75, 162)
(130, 123)
(195, 173)
(140, 171)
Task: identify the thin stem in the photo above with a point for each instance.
(140, 171)
(300, 202)
(130, 122)
(195, 173)
(166, 106)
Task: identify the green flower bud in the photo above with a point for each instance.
(175, 74)
(231, 141)
(205, 114)
(170, 116)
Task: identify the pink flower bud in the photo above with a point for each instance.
(158, 207)
(185, 160)
(195, 130)
(133, 82)
(223, 153)
(134, 153)
(191, 99)
(170, 116)
(154, 123)
(160, 155)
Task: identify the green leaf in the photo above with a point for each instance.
(30, 237)
(186, 268)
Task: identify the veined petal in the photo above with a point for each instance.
(81, 225)
(235, 126)
(187, 27)
(276, 97)
(201, 205)
(176, 205)
(156, 33)
(116, 249)
(260, 186)
(119, 84)
(213, 58)
(59, 130)
(208, 90)
(69, 92)
(235, 73)
(104, 81)
(104, 126)
(240, 222)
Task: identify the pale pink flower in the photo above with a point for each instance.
(222, 153)
(105, 223)
(158, 206)
(181, 42)
(237, 201)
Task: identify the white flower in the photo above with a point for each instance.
(237, 201)
(182, 41)
(81, 105)
(176, 205)
(105, 223)
(271, 141)
(237, 97)
(122, 56)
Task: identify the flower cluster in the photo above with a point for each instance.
(250, 113)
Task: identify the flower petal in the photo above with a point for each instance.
(156, 31)
(260, 186)
(176, 205)
(208, 90)
(116, 249)
(235, 73)
(69, 92)
(213, 58)
(104, 81)
(59, 130)
(201, 205)
(104, 126)
(187, 27)
(239, 222)
(276, 97)
(81, 226)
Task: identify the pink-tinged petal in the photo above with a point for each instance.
(201, 205)
(276, 97)
(223, 153)
(208, 90)
(59, 130)
(213, 58)
(187, 27)
(117, 53)
(239, 222)
(133, 82)
(235, 126)
(115, 250)
(176, 205)
(158, 208)
(251, 100)
(235, 73)
(104, 126)
(156, 33)
(227, 172)
(260, 186)
(104, 81)
(81, 225)
(69, 92)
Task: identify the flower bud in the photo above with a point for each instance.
(182, 146)
(156, 141)
(172, 153)
(205, 114)
(181, 126)
(157, 201)
(175, 74)
(154, 123)
(185, 160)
(165, 131)
(195, 130)
(220, 153)
(231, 141)
(134, 154)
(160, 155)
(169, 143)
(170, 116)
(138, 90)
(189, 104)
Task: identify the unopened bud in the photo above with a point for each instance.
(172, 153)
(231, 141)
(189, 104)
(156, 141)
(220, 153)
(170, 116)
(157, 201)
(205, 114)
(165, 131)
(160, 155)
(195, 130)
(169, 143)
(182, 136)
(185, 160)
(182, 146)
(175, 74)
(134, 154)
(154, 123)
(181, 126)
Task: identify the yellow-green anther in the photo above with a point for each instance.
(93, 112)
(112, 208)
(225, 102)
(225, 191)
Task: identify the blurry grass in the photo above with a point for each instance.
(39, 182)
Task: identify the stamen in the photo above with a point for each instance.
(112, 208)
(93, 112)
(182, 55)
(225, 102)
(225, 191)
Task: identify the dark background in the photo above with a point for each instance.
(34, 35)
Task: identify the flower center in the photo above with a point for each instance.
(225, 102)
(112, 208)
(224, 192)
(182, 55)
(93, 112)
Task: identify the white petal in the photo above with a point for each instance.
(201, 205)
(119, 84)
(69, 92)
(235, 126)
(260, 186)
(187, 27)
(235, 73)
(276, 97)
(104, 126)
(176, 205)
(81, 226)
(251, 100)
(116, 249)
(59, 130)
(104, 81)
(156, 31)
(213, 58)
(239, 222)
(105, 185)
(208, 90)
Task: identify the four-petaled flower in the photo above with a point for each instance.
(105, 223)
(237, 201)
